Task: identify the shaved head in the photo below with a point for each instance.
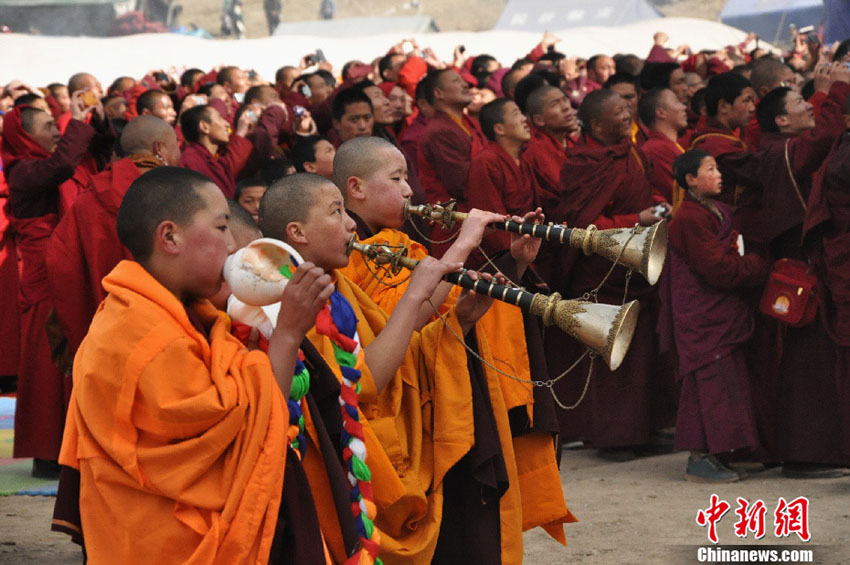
(767, 74)
(537, 99)
(359, 157)
(163, 193)
(593, 106)
(82, 81)
(288, 200)
(140, 134)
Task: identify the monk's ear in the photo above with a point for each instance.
(168, 237)
(310, 167)
(762, 91)
(335, 123)
(782, 121)
(295, 233)
(537, 119)
(204, 127)
(499, 129)
(723, 106)
(354, 188)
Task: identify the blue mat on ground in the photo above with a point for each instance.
(16, 474)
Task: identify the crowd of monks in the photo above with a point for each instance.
(461, 452)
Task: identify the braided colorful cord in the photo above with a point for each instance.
(340, 324)
(300, 387)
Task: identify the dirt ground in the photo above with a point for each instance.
(638, 512)
(466, 15)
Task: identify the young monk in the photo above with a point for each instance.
(662, 112)
(553, 123)
(499, 181)
(172, 422)
(417, 417)
(711, 321)
(372, 173)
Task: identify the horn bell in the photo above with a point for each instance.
(606, 329)
(645, 251)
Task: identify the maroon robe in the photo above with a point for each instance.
(84, 248)
(607, 186)
(827, 232)
(445, 153)
(709, 321)
(10, 326)
(34, 176)
(545, 155)
(221, 168)
(660, 153)
(780, 208)
(497, 184)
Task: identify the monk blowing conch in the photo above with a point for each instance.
(172, 421)
(372, 172)
(418, 418)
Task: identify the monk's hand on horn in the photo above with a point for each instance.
(427, 275)
(524, 248)
(470, 305)
(473, 227)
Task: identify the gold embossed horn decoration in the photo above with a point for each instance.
(641, 248)
(604, 328)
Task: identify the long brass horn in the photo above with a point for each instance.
(604, 328)
(643, 248)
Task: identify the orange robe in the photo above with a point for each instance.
(418, 428)
(537, 474)
(179, 439)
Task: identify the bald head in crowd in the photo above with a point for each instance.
(769, 73)
(151, 135)
(605, 116)
(359, 157)
(84, 81)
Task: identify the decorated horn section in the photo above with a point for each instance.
(606, 329)
(258, 273)
(643, 249)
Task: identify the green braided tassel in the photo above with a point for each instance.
(300, 385)
(359, 469)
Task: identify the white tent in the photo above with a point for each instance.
(358, 27)
(40, 60)
(540, 15)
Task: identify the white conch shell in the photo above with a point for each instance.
(253, 272)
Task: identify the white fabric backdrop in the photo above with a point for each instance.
(40, 60)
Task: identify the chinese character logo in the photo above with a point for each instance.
(711, 515)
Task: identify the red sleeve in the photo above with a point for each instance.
(659, 55)
(264, 139)
(237, 154)
(695, 239)
(535, 53)
(808, 150)
(36, 176)
(816, 100)
(411, 73)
